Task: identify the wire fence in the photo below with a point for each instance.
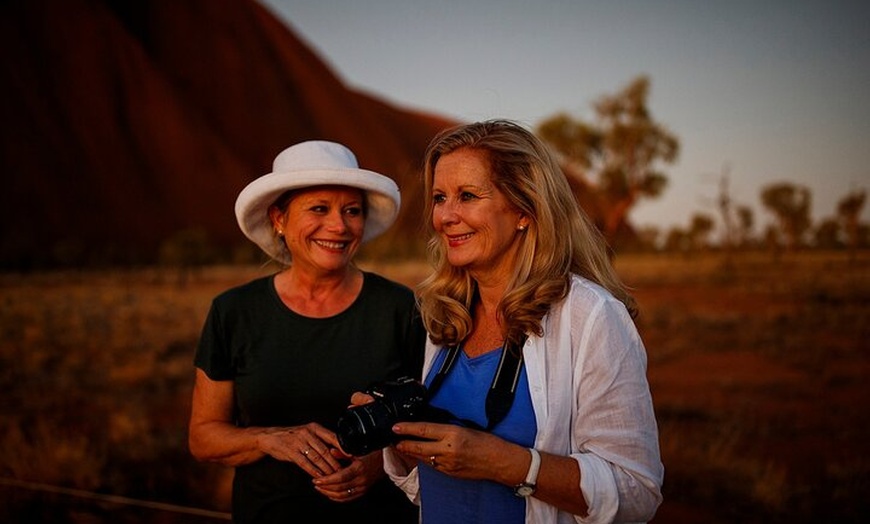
(113, 499)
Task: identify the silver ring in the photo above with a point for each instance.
(432, 461)
(306, 451)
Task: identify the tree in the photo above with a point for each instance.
(621, 150)
(746, 221)
(577, 141)
(848, 211)
(648, 236)
(699, 231)
(677, 240)
(791, 206)
(725, 208)
(827, 234)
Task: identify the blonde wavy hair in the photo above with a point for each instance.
(560, 239)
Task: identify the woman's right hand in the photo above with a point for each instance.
(308, 446)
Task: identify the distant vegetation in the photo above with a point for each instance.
(621, 159)
(788, 204)
(618, 157)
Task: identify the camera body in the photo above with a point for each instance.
(367, 428)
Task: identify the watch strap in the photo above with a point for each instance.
(528, 486)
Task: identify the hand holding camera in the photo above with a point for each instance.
(369, 427)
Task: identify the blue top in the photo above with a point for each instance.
(450, 500)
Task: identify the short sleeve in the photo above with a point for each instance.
(213, 355)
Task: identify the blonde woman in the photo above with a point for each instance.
(524, 312)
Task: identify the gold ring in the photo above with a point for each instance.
(432, 461)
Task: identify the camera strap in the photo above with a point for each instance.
(501, 393)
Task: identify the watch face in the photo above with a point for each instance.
(524, 490)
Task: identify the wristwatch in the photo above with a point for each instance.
(527, 487)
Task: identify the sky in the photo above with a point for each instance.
(757, 92)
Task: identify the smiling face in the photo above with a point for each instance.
(322, 226)
(473, 218)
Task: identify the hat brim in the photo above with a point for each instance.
(382, 201)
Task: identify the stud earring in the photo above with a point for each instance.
(521, 228)
(280, 232)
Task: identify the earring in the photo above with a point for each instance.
(521, 228)
(280, 232)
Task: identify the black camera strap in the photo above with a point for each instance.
(501, 393)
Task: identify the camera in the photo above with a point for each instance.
(367, 428)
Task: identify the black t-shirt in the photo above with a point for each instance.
(289, 370)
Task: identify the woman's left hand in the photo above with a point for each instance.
(354, 480)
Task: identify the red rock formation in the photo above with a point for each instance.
(126, 121)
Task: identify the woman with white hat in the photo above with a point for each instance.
(279, 356)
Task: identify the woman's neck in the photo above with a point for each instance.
(321, 295)
(487, 334)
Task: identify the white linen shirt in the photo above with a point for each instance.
(587, 379)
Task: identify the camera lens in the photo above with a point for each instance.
(363, 429)
(367, 428)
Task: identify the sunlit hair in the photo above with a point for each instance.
(560, 238)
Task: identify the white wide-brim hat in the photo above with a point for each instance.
(309, 164)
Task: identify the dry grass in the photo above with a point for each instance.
(758, 373)
(757, 368)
